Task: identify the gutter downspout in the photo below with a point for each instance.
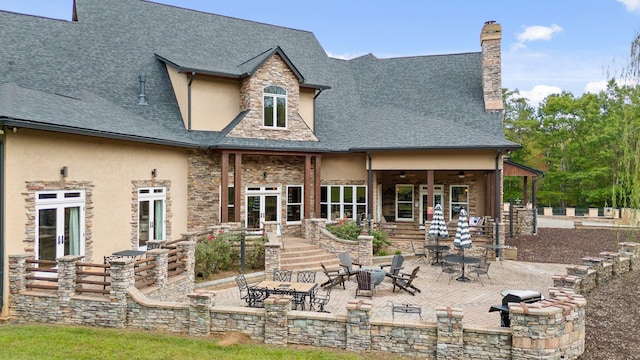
(534, 194)
(193, 75)
(1, 226)
(497, 204)
(314, 110)
(369, 191)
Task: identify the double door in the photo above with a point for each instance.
(426, 206)
(60, 224)
(263, 204)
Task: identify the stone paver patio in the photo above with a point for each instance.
(472, 297)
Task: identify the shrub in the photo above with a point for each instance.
(255, 255)
(380, 240)
(343, 229)
(216, 253)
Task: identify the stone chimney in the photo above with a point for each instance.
(491, 66)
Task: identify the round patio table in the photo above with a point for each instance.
(377, 274)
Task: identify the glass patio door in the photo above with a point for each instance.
(60, 224)
(438, 197)
(404, 202)
(151, 215)
(263, 204)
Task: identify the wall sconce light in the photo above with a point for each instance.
(461, 175)
(64, 171)
(154, 173)
(403, 175)
(15, 130)
(264, 175)
(1, 131)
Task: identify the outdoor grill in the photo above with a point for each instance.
(514, 296)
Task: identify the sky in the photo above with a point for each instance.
(548, 46)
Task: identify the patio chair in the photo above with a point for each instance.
(346, 261)
(448, 268)
(306, 276)
(365, 284)
(335, 277)
(256, 297)
(395, 266)
(420, 255)
(320, 300)
(241, 281)
(282, 275)
(481, 269)
(404, 281)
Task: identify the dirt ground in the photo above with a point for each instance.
(612, 309)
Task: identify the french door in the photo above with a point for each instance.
(60, 224)
(151, 215)
(426, 206)
(404, 202)
(263, 204)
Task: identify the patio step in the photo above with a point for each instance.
(299, 254)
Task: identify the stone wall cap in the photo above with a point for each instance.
(359, 305)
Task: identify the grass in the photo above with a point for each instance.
(65, 342)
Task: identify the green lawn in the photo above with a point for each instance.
(64, 342)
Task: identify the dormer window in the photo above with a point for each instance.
(275, 107)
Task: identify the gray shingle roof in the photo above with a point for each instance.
(84, 77)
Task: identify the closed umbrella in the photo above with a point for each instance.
(463, 237)
(438, 229)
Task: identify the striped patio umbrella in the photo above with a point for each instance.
(438, 227)
(463, 238)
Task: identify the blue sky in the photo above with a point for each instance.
(547, 46)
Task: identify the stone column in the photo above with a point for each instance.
(200, 303)
(614, 259)
(596, 264)
(359, 325)
(18, 273)
(450, 343)
(271, 256)
(188, 248)
(67, 277)
(632, 251)
(122, 279)
(275, 325)
(155, 244)
(365, 250)
(160, 260)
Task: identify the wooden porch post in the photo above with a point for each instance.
(316, 186)
(237, 187)
(224, 187)
(307, 187)
(525, 191)
(430, 195)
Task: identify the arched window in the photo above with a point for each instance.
(275, 107)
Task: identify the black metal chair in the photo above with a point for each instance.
(365, 284)
(282, 275)
(306, 276)
(482, 269)
(404, 281)
(241, 281)
(320, 300)
(448, 268)
(335, 277)
(420, 255)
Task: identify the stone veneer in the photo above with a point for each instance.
(274, 71)
(550, 329)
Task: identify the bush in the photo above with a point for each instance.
(255, 255)
(349, 230)
(216, 253)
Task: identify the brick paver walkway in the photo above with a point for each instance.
(474, 298)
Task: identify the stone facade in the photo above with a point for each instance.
(274, 71)
(490, 37)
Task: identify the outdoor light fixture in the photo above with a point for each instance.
(461, 175)
(402, 175)
(154, 173)
(64, 171)
(264, 175)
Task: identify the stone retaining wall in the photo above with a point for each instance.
(549, 329)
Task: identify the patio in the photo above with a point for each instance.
(472, 297)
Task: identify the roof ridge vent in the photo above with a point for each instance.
(142, 99)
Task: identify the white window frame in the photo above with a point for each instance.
(297, 204)
(410, 202)
(343, 205)
(152, 194)
(452, 204)
(275, 97)
(60, 200)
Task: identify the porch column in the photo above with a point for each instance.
(224, 187)
(307, 187)
(525, 191)
(316, 186)
(430, 195)
(237, 187)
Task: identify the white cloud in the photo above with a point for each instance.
(536, 32)
(539, 93)
(347, 56)
(632, 6)
(595, 87)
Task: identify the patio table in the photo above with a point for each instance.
(463, 260)
(299, 288)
